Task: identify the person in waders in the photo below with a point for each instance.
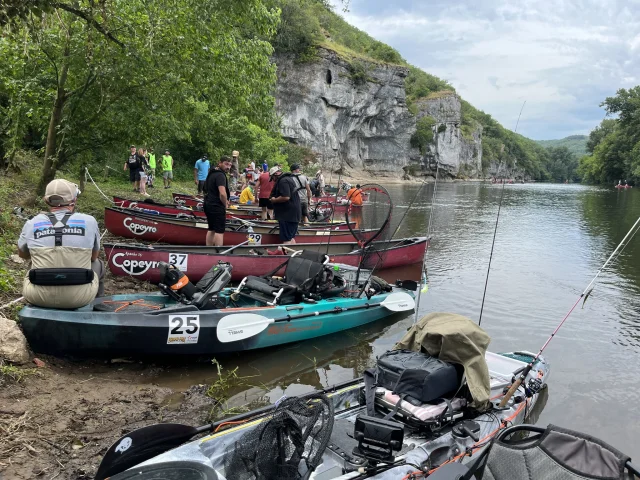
(63, 246)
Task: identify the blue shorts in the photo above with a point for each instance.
(288, 230)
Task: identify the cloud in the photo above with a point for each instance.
(562, 56)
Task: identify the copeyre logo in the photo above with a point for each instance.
(132, 266)
(138, 228)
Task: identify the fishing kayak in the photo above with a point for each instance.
(211, 319)
(158, 228)
(141, 261)
(428, 442)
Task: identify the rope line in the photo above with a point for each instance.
(96, 185)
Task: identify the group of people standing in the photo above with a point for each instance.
(141, 164)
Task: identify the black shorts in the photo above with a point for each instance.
(288, 230)
(134, 175)
(305, 209)
(216, 217)
(265, 202)
(201, 186)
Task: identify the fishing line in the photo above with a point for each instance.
(495, 230)
(409, 207)
(584, 295)
(424, 281)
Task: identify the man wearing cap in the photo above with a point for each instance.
(304, 190)
(286, 204)
(167, 169)
(200, 172)
(235, 170)
(134, 166)
(216, 201)
(63, 247)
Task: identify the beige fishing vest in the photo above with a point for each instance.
(60, 296)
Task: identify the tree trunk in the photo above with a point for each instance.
(50, 167)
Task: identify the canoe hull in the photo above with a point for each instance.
(84, 332)
(155, 228)
(141, 262)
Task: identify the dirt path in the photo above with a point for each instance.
(59, 423)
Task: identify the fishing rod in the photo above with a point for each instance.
(426, 252)
(495, 230)
(584, 295)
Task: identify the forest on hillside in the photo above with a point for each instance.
(577, 144)
(79, 80)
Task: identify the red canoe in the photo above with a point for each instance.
(141, 261)
(156, 228)
(193, 201)
(185, 212)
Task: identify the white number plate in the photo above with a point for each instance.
(183, 329)
(179, 260)
(254, 238)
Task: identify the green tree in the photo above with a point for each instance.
(174, 69)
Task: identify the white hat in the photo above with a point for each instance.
(274, 170)
(60, 192)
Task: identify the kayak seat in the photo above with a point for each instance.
(302, 271)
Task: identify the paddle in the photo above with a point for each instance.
(233, 248)
(144, 443)
(240, 326)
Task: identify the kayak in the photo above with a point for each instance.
(425, 442)
(141, 261)
(158, 228)
(186, 212)
(211, 319)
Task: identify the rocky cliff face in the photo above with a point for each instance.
(456, 155)
(355, 116)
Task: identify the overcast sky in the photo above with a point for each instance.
(562, 57)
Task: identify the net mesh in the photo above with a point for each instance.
(369, 220)
(288, 445)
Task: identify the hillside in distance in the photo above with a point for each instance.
(577, 144)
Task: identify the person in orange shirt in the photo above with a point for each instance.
(354, 195)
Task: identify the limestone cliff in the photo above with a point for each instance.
(354, 115)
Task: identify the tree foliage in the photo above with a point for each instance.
(614, 145)
(176, 72)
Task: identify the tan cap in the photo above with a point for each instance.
(274, 170)
(235, 153)
(60, 192)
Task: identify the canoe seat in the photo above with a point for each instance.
(303, 271)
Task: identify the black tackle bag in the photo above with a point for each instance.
(414, 376)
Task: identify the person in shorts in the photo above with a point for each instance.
(133, 164)
(200, 172)
(216, 201)
(286, 205)
(167, 169)
(264, 186)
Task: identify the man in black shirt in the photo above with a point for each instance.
(286, 204)
(134, 166)
(216, 201)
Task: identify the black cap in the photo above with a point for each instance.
(358, 186)
(295, 166)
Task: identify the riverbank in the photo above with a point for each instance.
(58, 419)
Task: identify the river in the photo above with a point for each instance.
(551, 241)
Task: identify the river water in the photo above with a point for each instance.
(551, 241)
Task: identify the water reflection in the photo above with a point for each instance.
(551, 241)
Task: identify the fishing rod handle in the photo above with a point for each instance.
(512, 390)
